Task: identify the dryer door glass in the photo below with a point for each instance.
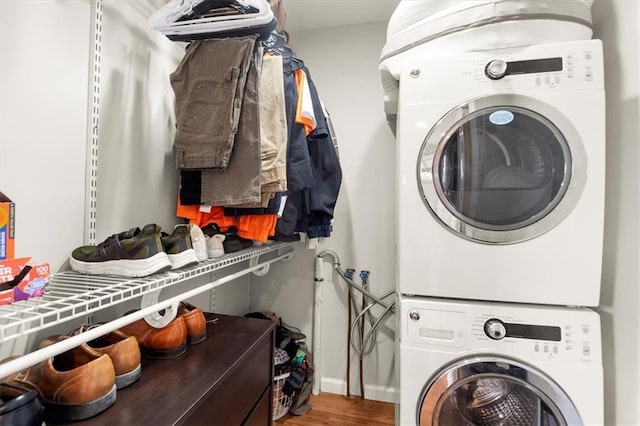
(495, 392)
(495, 171)
(503, 168)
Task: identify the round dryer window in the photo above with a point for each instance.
(501, 169)
(492, 391)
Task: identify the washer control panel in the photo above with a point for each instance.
(534, 332)
(548, 341)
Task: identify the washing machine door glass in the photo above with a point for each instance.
(494, 392)
(499, 169)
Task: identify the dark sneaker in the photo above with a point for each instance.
(133, 253)
(179, 248)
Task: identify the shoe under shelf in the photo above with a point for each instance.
(72, 295)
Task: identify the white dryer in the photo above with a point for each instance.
(487, 363)
(501, 172)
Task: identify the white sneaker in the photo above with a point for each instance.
(198, 241)
(214, 245)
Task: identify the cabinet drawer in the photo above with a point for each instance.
(232, 402)
(261, 414)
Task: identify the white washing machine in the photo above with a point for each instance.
(487, 363)
(501, 173)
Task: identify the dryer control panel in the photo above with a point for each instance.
(538, 69)
(552, 70)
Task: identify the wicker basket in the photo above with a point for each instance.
(281, 401)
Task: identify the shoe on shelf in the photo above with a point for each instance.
(231, 241)
(199, 242)
(121, 348)
(74, 385)
(195, 322)
(19, 405)
(133, 253)
(179, 248)
(167, 342)
(214, 238)
(215, 246)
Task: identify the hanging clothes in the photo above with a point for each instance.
(240, 182)
(209, 86)
(327, 172)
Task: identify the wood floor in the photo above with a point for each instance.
(331, 409)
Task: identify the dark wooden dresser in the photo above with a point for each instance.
(226, 380)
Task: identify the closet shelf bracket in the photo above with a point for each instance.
(157, 319)
(254, 261)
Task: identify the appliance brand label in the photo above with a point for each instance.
(501, 117)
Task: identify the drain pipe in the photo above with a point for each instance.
(317, 307)
(317, 323)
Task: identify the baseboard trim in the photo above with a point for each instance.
(372, 392)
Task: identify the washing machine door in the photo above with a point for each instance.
(501, 169)
(494, 391)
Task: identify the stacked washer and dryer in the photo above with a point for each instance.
(499, 114)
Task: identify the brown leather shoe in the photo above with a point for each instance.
(73, 385)
(121, 348)
(195, 321)
(169, 341)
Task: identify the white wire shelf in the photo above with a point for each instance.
(71, 295)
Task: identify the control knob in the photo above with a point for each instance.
(495, 329)
(496, 69)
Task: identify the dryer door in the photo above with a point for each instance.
(501, 169)
(494, 391)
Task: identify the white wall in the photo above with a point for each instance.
(343, 64)
(43, 123)
(137, 177)
(616, 23)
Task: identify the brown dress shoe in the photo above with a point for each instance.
(169, 341)
(195, 321)
(121, 348)
(73, 385)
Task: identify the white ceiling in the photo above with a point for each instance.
(311, 14)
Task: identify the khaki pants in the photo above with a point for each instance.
(209, 84)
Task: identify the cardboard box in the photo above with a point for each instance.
(7, 227)
(18, 283)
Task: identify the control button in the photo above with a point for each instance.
(496, 69)
(546, 349)
(537, 81)
(588, 75)
(547, 79)
(568, 347)
(536, 347)
(555, 349)
(587, 56)
(495, 329)
(585, 329)
(557, 79)
(586, 351)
